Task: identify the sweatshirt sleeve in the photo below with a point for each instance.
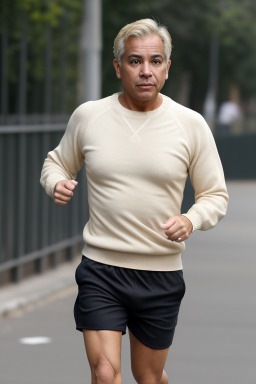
(66, 159)
(207, 177)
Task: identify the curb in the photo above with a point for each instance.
(37, 288)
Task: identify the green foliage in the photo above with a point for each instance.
(31, 21)
(237, 34)
(192, 25)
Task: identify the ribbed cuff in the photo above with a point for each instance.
(195, 219)
(51, 183)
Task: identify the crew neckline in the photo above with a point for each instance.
(128, 112)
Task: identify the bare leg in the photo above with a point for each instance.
(148, 364)
(103, 350)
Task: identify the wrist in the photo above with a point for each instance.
(190, 222)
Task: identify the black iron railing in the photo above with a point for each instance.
(32, 227)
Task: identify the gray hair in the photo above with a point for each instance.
(141, 28)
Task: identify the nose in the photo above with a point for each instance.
(145, 70)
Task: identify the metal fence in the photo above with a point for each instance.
(33, 230)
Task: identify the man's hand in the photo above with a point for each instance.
(64, 191)
(177, 228)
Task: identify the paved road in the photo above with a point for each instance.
(215, 341)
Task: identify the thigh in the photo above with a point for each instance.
(146, 362)
(103, 349)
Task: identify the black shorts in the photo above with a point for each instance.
(111, 298)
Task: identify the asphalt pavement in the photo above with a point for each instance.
(215, 341)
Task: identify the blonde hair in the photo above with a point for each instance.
(141, 28)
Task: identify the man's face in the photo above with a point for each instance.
(143, 71)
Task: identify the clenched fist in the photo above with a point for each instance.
(177, 228)
(64, 191)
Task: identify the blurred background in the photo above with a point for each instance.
(43, 43)
(57, 54)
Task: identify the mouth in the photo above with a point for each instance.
(145, 85)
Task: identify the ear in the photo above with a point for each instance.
(117, 68)
(167, 69)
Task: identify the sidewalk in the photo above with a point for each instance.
(18, 296)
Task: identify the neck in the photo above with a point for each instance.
(141, 106)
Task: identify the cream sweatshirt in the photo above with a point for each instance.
(137, 164)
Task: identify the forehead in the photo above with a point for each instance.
(150, 44)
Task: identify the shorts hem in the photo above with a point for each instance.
(148, 344)
(81, 329)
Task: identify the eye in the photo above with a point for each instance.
(156, 62)
(135, 61)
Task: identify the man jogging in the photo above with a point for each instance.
(139, 146)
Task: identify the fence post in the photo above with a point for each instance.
(4, 77)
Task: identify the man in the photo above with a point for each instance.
(139, 147)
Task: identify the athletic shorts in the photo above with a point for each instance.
(113, 298)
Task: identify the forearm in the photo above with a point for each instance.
(51, 174)
(66, 159)
(207, 178)
(208, 210)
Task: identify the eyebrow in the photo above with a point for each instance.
(140, 57)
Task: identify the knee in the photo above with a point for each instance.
(148, 380)
(105, 373)
(152, 378)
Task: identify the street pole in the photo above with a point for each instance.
(211, 96)
(210, 107)
(91, 50)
